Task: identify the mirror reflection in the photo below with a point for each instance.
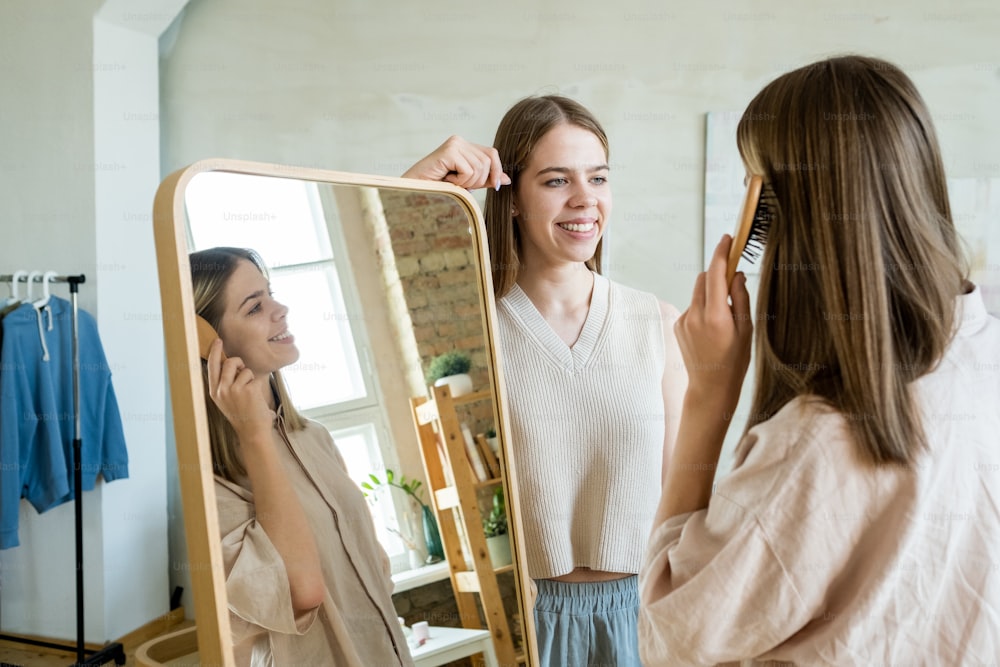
(352, 302)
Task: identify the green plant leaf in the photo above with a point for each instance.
(366, 485)
(374, 479)
(449, 363)
(389, 474)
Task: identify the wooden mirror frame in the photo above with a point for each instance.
(194, 458)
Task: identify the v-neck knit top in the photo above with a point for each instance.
(587, 427)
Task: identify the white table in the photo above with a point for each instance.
(447, 644)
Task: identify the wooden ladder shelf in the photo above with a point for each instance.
(454, 496)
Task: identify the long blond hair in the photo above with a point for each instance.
(862, 263)
(519, 132)
(211, 270)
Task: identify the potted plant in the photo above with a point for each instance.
(495, 528)
(411, 487)
(452, 369)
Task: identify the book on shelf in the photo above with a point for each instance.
(489, 458)
(478, 467)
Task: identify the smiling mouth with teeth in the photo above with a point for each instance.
(573, 227)
(281, 336)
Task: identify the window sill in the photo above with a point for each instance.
(422, 576)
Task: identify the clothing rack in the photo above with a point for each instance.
(114, 651)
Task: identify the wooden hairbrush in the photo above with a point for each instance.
(206, 336)
(751, 228)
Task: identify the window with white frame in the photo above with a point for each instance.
(334, 381)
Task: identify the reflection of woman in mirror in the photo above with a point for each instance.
(306, 581)
(860, 524)
(593, 375)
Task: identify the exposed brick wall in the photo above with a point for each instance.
(432, 250)
(436, 265)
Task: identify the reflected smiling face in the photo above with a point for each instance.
(563, 199)
(253, 326)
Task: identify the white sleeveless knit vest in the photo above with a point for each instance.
(587, 429)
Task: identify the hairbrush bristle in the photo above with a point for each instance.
(762, 217)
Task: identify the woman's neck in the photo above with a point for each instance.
(563, 288)
(562, 297)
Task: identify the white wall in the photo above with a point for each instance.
(126, 135)
(371, 87)
(80, 165)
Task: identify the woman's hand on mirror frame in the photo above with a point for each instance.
(462, 163)
(238, 394)
(714, 338)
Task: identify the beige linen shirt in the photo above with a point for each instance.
(356, 623)
(810, 555)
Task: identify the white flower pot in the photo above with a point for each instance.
(499, 548)
(494, 444)
(459, 384)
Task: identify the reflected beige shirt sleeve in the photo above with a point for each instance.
(257, 587)
(355, 626)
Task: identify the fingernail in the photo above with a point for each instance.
(496, 185)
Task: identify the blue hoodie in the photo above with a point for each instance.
(36, 412)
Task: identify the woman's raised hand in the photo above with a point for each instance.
(714, 335)
(238, 394)
(462, 163)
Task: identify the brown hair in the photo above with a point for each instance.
(522, 127)
(862, 263)
(210, 272)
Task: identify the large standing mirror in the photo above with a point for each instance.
(381, 276)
